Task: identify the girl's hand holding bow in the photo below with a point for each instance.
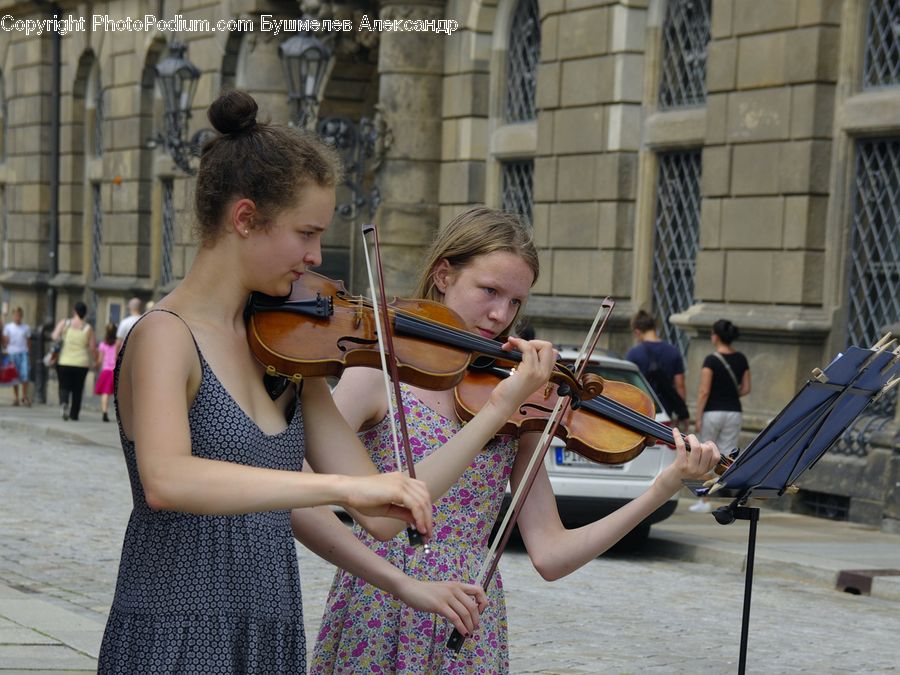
(392, 495)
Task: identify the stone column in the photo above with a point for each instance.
(410, 68)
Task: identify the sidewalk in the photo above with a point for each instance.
(33, 631)
(812, 550)
(809, 550)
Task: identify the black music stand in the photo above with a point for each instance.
(795, 440)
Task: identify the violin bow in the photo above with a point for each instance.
(385, 349)
(498, 545)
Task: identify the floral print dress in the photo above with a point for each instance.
(364, 629)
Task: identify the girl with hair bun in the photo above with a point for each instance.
(724, 379)
(219, 467)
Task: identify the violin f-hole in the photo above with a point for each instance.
(525, 407)
(353, 341)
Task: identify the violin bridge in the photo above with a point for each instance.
(819, 375)
(359, 315)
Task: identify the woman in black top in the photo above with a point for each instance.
(725, 377)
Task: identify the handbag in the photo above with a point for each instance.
(52, 355)
(8, 372)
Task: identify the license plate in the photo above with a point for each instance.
(568, 458)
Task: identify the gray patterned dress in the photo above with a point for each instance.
(210, 594)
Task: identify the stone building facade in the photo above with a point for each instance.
(706, 159)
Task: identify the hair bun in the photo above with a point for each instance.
(234, 112)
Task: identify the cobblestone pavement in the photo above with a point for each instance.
(65, 506)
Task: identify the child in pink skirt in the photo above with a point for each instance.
(106, 363)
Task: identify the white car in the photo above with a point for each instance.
(586, 491)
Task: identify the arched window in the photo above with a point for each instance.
(95, 108)
(93, 144)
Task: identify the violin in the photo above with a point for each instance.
(320, 329)
(611, 428)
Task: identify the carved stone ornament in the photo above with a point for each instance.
(412, 10)
(361, 45)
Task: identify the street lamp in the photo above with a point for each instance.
(177, 78)
(307, 63)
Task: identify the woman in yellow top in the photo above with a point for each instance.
(75, 357)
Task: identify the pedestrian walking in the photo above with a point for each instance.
(724, 379)
(105, 365)
(135, 311)
(17, 344)
(75, 358)
(662, 365)
(208, 580)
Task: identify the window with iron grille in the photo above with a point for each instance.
(521, 71)
(874, 279)
(676, 240)
(685, 36)
(96, 247)
(4, 230)
(517, 179)
(99, 113)
(97, 233)
(168, 232)
(4, 122)
(881, 66)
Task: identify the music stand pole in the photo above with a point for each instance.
(724, 516)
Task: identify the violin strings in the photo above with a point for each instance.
(417, 327)
(453, 336)
(619, 412)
